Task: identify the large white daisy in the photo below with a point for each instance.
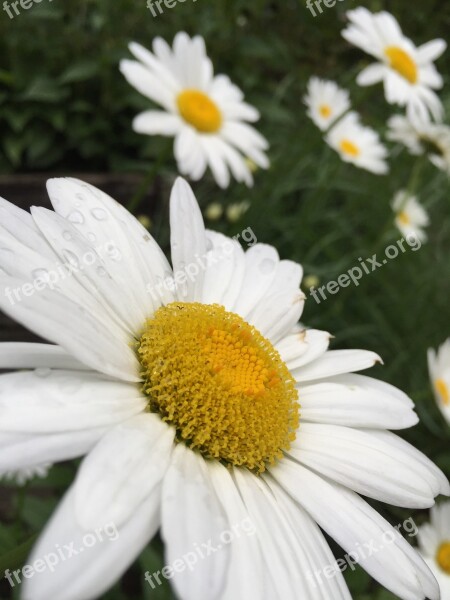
(206, 114)
(439, 370)
(358, 144)
(326, 102)
(422, 137)
(410, 216)
(407, 71)
(182, 385)
(434, 540)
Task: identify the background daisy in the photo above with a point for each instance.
(410, 216)
(439, 369)
(358, 144)
(407, 71)
(326, 102)
(434, 540)
(206, 114)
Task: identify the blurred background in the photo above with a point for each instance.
(66, 109)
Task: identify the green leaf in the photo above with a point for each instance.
(81, 71)
(16, 558)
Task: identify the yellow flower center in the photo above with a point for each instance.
(403, 217)
(325, 111)
(348, 147)
(220, 383)
(443, 557)
(199, 111)
(401, 62)
(443, 391)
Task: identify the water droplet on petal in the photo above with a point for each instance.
(76, 217)
(71, 258)
(101, 272)
(91, 236)
(67, 235)
(267, 266)
(42, 372)
(40, 274)
(209, 245)
(100, 214)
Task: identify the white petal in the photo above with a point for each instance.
(261, 263)
(246, 556)
(354, 524)
(222, 259)
(148, 84)
(336, 362)
(157, 122)
(45, 401)
(192, 520)
(431, 50)
(125, 467)
(187, 240)
(364, 463)
(23, 355)
(101, 556)
(356, 401)
(371, 74)
(303, 347)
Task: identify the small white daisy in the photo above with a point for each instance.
(326, 102)
(358, 144)
(434, 542)
(407, 71)
(206, 114)
(439, 369)
(422, 137)
(410, 216)
(22, 476)
(182, 386)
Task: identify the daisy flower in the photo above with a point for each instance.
(422, 137)
(206, 114)
(358, 144)
(434, 541)
(407, 71)
(439, 369)
(410, 216)
(22, 476)
(326, 102)
(182, 384)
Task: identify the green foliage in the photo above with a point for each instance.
(64, 106)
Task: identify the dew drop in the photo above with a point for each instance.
(100, 214)
(71, 258)
(42, 372)
(101, 272)
(91, 236)
(267, 266)
(76, 217)
(40, 274)
(67, 235)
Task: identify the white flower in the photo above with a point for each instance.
(205, 113)
(22, 476)
(326, 102)
(439, 369)
(182, 385)
(422, 137)
(358, 144)
(410, 216)
(434, 540)
(407, 71)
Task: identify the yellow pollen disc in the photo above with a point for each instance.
(349, 148)
(443, 557)
(220, 383)
(199, 111)
(403, 217)
(443, 391)
(325, 111)
(401, 62)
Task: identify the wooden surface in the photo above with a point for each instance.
(29, 190)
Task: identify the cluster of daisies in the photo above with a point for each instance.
(410, 80)
(205, 403)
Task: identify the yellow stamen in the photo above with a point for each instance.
(325, 111)
(443, 391)
(199, 111)
(401, 62)
(403, 217)
(349, 148)
(220, 383)
(443, 557)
